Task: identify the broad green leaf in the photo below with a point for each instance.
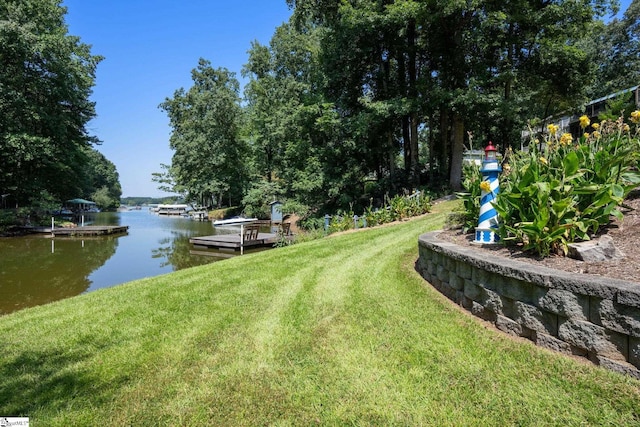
(570, 163)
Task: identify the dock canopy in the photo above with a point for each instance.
(80, 202)
(80, 205)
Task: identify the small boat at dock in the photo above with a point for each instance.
(233, 221)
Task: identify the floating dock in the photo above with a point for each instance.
(88, 230)
(233, 241)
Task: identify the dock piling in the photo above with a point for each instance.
(241, 239)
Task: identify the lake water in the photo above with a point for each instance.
(35, 269)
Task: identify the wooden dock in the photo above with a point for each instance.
(233, 241)
(88, 230)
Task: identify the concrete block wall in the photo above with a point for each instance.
(590, 316)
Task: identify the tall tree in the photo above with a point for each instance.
(46, 79)
(209, 158)
(615, 48)
(483, 66)
(102, 183)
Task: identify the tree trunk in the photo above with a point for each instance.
(412, 71)
(443, 148)
(414, 174)
(406, 143)
(457, 152)
(432, 158)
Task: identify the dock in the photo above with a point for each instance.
(233, 241)
(88, 230)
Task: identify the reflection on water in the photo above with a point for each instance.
(35, 270)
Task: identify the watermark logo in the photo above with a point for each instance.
(14, 421)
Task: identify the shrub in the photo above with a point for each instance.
(398, 208)
(565, 190)
(471, 179)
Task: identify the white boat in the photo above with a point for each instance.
(233, 221)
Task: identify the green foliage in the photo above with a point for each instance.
(46, 78)
(104, 200)
(614, 48)
(342, 221)
(472, 177)
(617, 106)
(225, 212)
(398, 208)
(209, 161)
(350, 92)
(136, 201)
(7, 218)
(257, 200)
(102, 183)
(567, 190)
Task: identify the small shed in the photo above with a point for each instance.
(276, 211)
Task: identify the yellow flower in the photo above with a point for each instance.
(584, 121)
(586, 135)
(596, 134)
(566, 139)
(543, 160)
(626, 128)
(635, 116)
(595, 126)
(485, 186)
(553, 129)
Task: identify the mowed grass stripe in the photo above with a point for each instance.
(332, 332)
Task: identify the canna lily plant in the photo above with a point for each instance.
(565, 189)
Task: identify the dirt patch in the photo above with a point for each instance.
(625, 234)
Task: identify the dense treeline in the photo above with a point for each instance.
(352, 100)
(46, 78)
(138, 201)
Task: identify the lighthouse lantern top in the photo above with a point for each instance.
(490, 152)
(490, 163)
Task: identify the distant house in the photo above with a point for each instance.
(571, 123)
(597, 106)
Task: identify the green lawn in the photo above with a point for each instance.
(337, 331)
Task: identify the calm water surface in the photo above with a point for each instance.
(35, 270)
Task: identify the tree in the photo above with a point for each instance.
(102, 183)
(166, 182)
(482, 66)
(615, 49)
(46, 79)
(209, 161)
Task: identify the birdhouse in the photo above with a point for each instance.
(276, 211)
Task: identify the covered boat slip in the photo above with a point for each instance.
(171, 209)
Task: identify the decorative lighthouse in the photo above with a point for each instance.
(490, 186)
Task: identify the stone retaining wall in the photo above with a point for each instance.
(590, 316)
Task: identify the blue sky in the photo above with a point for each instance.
(150, 48)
